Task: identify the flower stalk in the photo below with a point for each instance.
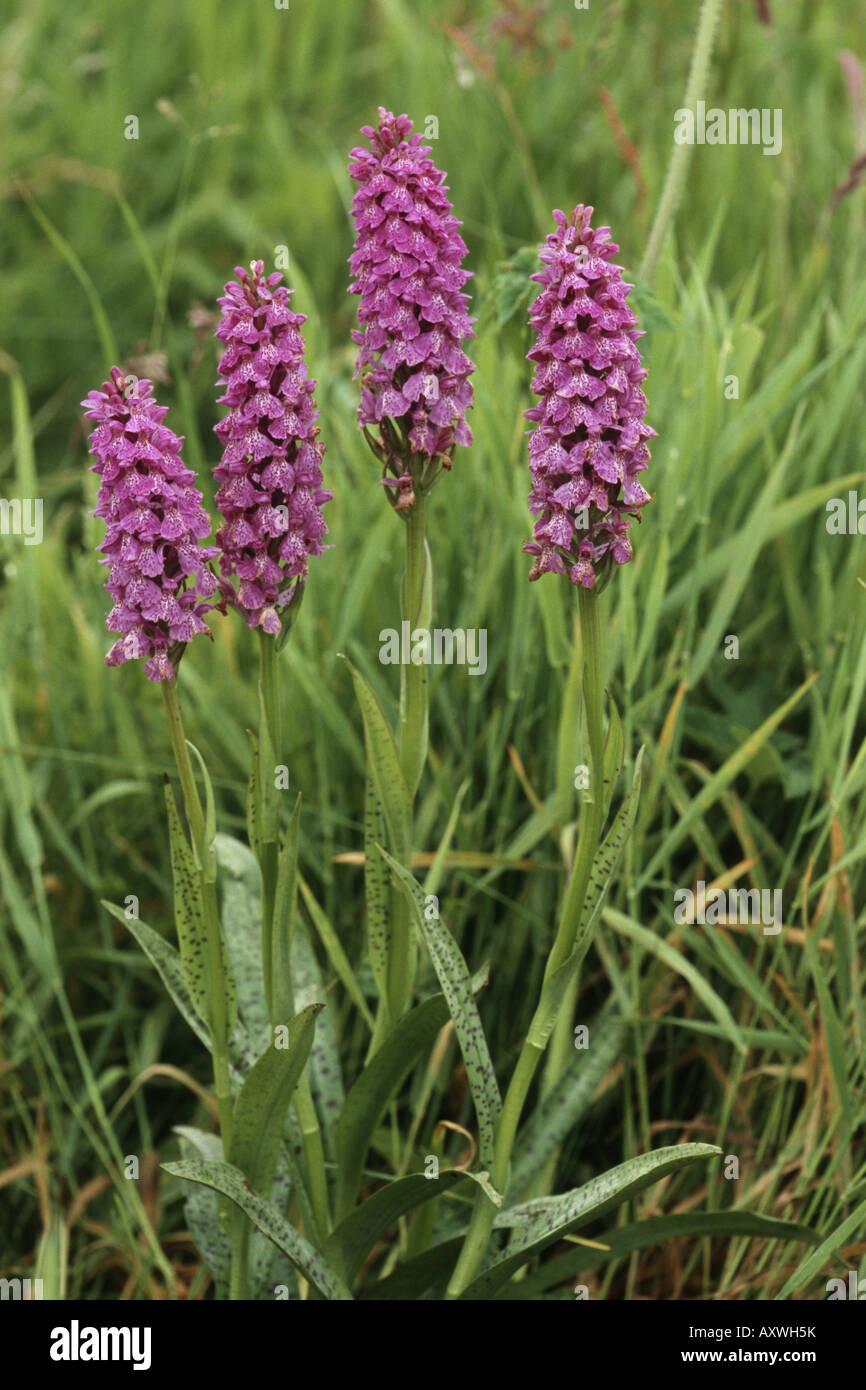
(305, 1109)
(215, 966)
(417, 611)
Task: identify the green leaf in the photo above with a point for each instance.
(334, 948)
(168, 965)
(851, 1226)
(240, 918)
(604, 864)
(376, 890)
(366, 1100)
(265, 1097)
(225, 1178)
(721, 1225)
(553, 988)
(254, 810)
(672, 958)
(201, 1205)
(268, 798)
(565, 1213)
(410, 1281)
(355, 1236)
(325, 1075)
(205, 853)
(751, 538)
(188, 910)
(566, 1102)
(614, 748)
(713, 788)
(833, 1031)
(383, 764)
(456, 985)
(279, 946)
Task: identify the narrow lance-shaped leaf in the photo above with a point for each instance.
(720, 1225)
(254, 811)
(572, 1209)
(225, 1178)
(205, 853)
(376, 890)
(240, 919)
(266, 785)
(168, 965)
(614, 748)
(605, 861)
(188, 910)
(383, 763)
(334, 948)
(265, 1097)
(381, 1078)
(852, 1226)
(712, 789)
(201, 1205)
(278, 942)
(566, 1102)
(456, 985)
(325, 1073)
(355, 1236)
(676, 961)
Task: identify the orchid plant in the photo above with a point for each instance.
(276, 1200)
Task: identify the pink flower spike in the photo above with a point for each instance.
(158, 573)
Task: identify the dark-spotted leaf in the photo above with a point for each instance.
(456, 985)
(555, 1217)
(265, 1097)
(225, 1178)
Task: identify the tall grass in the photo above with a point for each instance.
(755, 766)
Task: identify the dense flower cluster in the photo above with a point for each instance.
(270, 474)
(157, 571)
(588, 446)
(407, 270)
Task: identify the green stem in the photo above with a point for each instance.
(216, 973)
(681, 157)
(531, 1053)
(311, 1135)
(270, 835)
(215, 967)
(591, 821)
(416, 611)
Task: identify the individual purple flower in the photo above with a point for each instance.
(588, 447)
(158, 573)
(406, 267)
(270, 474)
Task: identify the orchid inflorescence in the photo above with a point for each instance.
(586, 451)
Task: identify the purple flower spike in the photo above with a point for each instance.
(158, 574)
(588, 445)
(271, 493)
(415, 387)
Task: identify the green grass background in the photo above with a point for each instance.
(246, 114)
